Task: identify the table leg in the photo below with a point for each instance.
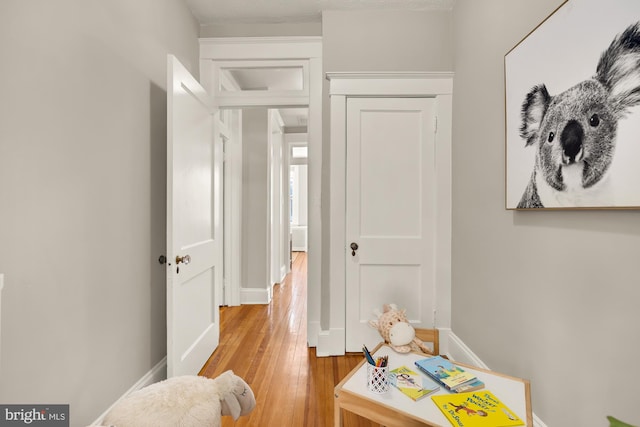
(337, 413)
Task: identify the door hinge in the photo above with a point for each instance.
(435, 124)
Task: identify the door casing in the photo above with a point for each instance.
(307, 50)
(438, 85)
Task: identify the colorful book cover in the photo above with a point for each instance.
(472, 385)
(445, 372)
(476, 409)
(411, 383)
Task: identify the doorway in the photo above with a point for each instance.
(298, 196)
(244, 59)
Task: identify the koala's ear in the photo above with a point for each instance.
(619, 69)
(534, 108)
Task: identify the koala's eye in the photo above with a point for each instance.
(551, 136)
(594, 120)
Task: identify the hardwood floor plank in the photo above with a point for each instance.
(267, 346)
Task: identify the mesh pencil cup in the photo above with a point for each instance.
(377, 378)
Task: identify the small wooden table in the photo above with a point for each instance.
(394, 409)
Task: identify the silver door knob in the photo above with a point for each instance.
(183, 259)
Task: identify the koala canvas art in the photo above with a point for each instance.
(573, 133)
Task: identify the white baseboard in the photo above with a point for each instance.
(255, 296)
(313, 330)
(457, 350)
(331, 342)
(156, 374)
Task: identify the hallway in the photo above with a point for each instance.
(267, 346)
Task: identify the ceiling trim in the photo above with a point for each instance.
(390, 83)
(243, 48)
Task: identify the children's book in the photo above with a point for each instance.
(411, 383)
(476, 409)
(472, 385)
(445, 372)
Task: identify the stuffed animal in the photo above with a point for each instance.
(186, 401)
(395, 329)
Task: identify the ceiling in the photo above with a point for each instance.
(209, 12)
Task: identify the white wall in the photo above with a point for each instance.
(549, 296)
(387, 40)
(255, 206)
(82, 195)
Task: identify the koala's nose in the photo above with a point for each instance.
(571, 140)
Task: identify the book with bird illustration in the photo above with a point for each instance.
(476, 409)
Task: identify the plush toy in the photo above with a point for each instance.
(185, 401)
(395, 329)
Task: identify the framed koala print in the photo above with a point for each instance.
(573, 109)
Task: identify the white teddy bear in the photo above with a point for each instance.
(185, 401)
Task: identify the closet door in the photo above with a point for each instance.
(390, 213)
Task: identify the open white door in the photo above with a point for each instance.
(194, 237)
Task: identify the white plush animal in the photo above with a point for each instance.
(395, 329)
(185, 401)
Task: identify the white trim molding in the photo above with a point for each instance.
(415, 84)
(331, 343)
(225, 48)
(217, 53)
(391, 84)
(255, 295)
(156, 374)
(313, 332)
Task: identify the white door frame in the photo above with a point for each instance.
(229, 130)
(278, 267)
(228, 127)
(343, 85)
(309, 51)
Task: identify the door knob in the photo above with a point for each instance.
(354, 248)
(183, 259)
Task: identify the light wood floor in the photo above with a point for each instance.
(267, 346)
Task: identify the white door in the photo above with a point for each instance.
(390, 213)
(194, 250)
